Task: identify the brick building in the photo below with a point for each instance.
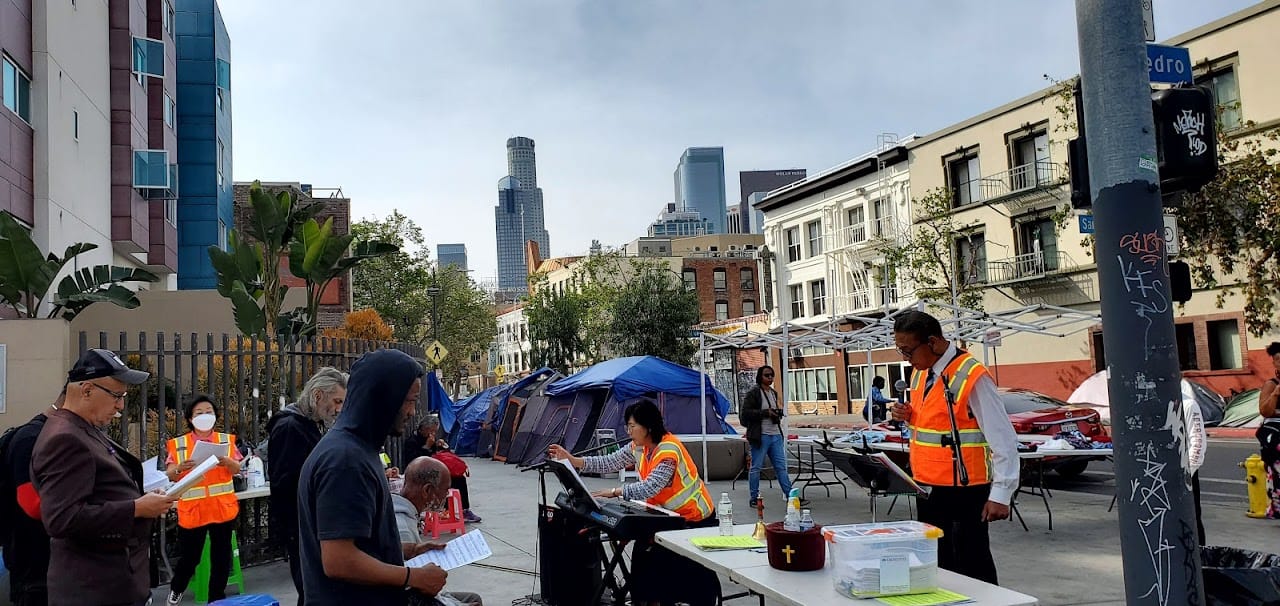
(727, 287)
(335, 302)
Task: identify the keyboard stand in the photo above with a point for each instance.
(613, 563)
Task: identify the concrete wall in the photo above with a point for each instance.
(38, 355)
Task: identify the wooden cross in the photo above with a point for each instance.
(788, 551)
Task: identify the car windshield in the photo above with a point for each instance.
(1017, 402)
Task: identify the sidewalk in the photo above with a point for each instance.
(1079, 564)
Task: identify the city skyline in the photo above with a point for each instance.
(419, 135)
(519, 216)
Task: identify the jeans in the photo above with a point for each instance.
(776, 447)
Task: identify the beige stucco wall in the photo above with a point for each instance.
(37, 354)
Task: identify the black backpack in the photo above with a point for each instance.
(8, 492)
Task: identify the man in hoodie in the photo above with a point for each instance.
(347, 538)
(293, 433)
(426, 488)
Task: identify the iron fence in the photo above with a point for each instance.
(248, 379)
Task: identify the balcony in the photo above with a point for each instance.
(864, 300)
(1025, 185)
(1030, 266)
(851, 235)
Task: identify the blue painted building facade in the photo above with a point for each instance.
(206, 200)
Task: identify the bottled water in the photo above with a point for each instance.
(724, 512)
(806, 521)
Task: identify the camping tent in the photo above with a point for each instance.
(471, 414)
(438, 401)
(571, 409)
(1242, 410)
(1093, 392)
(506, 415)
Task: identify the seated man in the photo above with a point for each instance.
(426, 487)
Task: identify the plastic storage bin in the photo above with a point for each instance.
(882, 559)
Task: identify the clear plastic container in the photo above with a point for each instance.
(883, 559)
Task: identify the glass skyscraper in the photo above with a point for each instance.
(518, 217)
(452, 254)
(699, 181)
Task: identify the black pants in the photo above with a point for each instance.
(459, 483)
(654, 568)
(34, 596)
(965, 547)
(191, 547)
(295, 564)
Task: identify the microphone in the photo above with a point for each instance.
(900, 386)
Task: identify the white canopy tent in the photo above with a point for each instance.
(958, 324)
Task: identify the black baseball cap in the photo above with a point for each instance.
(101, 363)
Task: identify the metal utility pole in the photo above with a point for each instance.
(1157, 516)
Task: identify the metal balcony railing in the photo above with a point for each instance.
(847, 236)
(886, 227)
(1029, 265)
(854, 301)
(1033, 176)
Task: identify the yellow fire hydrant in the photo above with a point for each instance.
(1255, 477)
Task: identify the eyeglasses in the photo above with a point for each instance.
(631, 426)
(120, 396)
(907, 353)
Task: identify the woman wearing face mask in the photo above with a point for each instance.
(207, 509)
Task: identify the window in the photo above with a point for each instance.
(1030, 162)
(75, 125)
(883, 214)
(971, 254)
(217, 99)
(171, 211)
(222, 151)
(811, 384)
(1224, 344)
(1226, 94)
(1185, 335)
(797, 301)
(690, 279)
(223, 76)
(813, 230)
(748, 307)
(170, 110)
(222, 234)
(151, 169)
(719, 279)
(818, 292)
(793, 244)
(169, 19)
(722, 310)
(148, 57)
(1038, 247)
(856, 220)
(17, 90)
(748, 278)
(964, 177)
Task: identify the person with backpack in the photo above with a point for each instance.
(22, 534)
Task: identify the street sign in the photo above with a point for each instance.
(1086, 224)
(500, 372)
(1149, 20)
(1168, 64)
(993, 338)
(436, 352)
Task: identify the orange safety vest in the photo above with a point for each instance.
(931, 426)
(686, 494)
(213, 499)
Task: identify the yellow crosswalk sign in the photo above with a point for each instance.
(436, 352)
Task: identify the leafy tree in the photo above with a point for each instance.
(319, 256)
(467, 324)
(1230, 229)
(396, 284)
(361, 324)
(927, 252)
(652, 314)
(555, 328)
(26, 277)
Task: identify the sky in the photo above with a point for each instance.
(407, 104)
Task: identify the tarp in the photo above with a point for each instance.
(636, 376)
(1094, 393)
(471, 414)
(1242, 410)
(438, 401)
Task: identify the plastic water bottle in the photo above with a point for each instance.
(806, 520)
(725, 513)
(792, 521)
(255, 477)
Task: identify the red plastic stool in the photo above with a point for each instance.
(449, 520)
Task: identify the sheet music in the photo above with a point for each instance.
(580, 484)
(153, 478)
(466, 549)
(204, 450)
(192, 477)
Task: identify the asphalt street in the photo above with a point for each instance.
(1221, 477)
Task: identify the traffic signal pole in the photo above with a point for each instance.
(1157, 518)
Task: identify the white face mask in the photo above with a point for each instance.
(203, 422)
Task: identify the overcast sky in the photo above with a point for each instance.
(408, 104)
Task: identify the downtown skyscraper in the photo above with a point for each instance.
(518, 217)
(699, 181)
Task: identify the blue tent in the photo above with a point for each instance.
(471, 414)
(633, 377)
(438, 401)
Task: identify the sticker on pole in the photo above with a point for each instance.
(1148, 163)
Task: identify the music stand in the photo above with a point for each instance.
(876, 473)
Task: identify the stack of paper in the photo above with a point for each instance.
(466, 549)
(153, 478)
(721, 543)
(940, 597)
(192, 478)
(888, 575)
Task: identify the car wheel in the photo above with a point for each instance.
(1071, 469)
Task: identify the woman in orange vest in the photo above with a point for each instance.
(669, 480)
(207, 509)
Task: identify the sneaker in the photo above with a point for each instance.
(174, 599)
(752, 503)
(469, 517)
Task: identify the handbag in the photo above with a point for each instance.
(457, 467)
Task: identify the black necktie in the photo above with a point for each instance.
(928, 383)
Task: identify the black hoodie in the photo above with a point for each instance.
(291, 438)
(343, 492)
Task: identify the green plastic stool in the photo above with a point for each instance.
(200, 582)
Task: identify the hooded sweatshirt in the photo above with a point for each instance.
(343, 491)
(292, 435)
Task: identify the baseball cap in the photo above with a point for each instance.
(100, 363)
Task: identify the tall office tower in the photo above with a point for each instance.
(761, 182)
(452, 254)
(699, 181)
(519, 217)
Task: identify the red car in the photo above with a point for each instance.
(1034, 413)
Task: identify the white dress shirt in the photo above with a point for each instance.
(993, 420)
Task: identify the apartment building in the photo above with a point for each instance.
(512, 343)
(1006, 172)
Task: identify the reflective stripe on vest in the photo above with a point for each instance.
(212, 500)
(931, 454)
(686, 495)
